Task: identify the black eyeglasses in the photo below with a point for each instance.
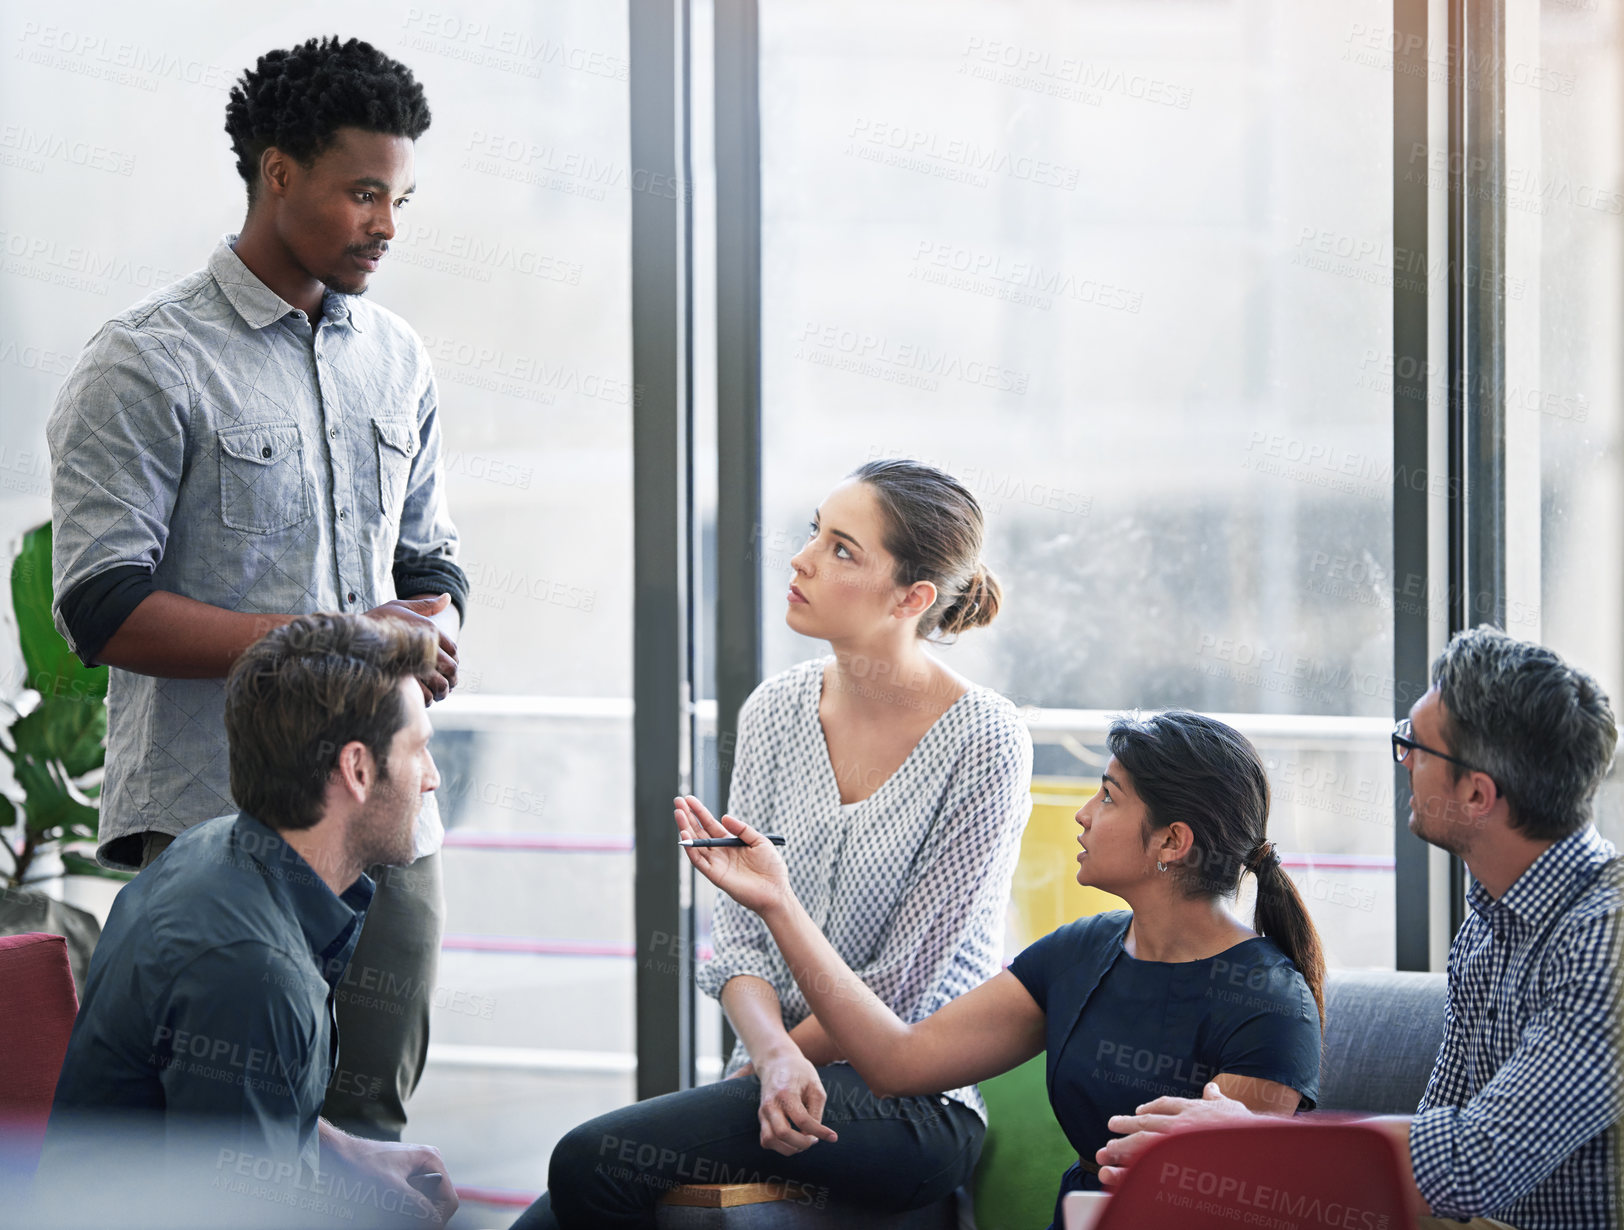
(1403, 745)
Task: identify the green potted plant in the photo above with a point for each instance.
(55, 740)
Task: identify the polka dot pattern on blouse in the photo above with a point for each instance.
(911, 885)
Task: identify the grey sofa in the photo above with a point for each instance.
(1382, 1031)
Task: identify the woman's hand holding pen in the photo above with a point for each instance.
(792, 1094)
(754, 874)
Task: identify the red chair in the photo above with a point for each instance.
(37, 1007)
(1344, 1176)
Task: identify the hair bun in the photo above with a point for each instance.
(934, 532)
(976, 605)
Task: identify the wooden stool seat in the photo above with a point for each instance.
(787, 1205)
(730, 1195)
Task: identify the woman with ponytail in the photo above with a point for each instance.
(1171, 998)
(901, 789)
(1201, 778)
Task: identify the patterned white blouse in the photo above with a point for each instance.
(911, 884)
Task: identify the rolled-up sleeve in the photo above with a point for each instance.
(426, 550)
(1555, 1093)
(741, 946)
(117, 436)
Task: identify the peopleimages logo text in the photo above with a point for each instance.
(1226, 1192)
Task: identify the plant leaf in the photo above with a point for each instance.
(63, 738)
(69, 729)
(75, 864)
(76, 730)
(53, 668)
(49, 806)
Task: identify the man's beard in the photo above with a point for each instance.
(1436, 830)
(337, 288)
(384, 832)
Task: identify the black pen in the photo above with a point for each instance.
(703, 843)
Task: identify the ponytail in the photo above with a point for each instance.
(1282, 916)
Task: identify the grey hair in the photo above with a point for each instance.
(1543, 730)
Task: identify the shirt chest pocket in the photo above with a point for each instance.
(397, 446)
(263, 487)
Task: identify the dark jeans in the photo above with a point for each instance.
(894, 1154)
(382, 1005)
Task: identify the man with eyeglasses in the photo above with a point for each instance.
(1519, 1121)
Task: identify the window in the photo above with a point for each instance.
(1564, 214)
(1127, 274)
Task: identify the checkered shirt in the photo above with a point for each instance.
(1525, 1097)
(252, 463)
(911, 885)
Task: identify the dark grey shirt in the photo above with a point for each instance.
(210, 994)
(209, 442)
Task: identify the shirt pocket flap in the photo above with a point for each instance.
(398, 434)
(261, 443)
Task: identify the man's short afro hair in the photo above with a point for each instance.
(297, 99)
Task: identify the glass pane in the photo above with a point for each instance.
(1565, 244)
(1127, 275)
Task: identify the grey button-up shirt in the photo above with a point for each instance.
(253, 463)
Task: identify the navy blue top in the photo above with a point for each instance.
(210, 993)
(1121, 1032)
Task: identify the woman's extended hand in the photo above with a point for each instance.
(753, 875)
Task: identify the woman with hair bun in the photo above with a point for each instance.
(1173, 997)
(901, 789)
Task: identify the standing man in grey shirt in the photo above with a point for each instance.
(253, 443)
